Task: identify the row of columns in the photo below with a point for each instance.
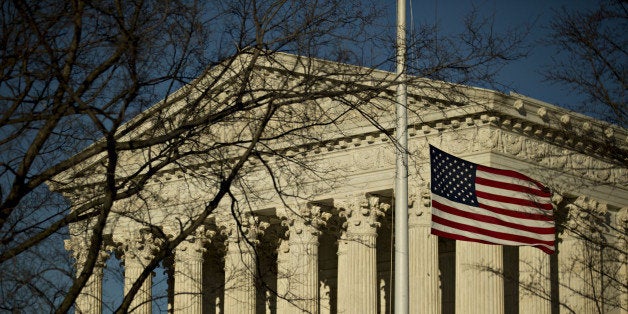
(479, 284)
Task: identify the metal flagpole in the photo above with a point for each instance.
(401, 175)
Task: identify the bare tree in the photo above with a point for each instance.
(591, 49)
(590, 60)
(78, 78)
(588, 274)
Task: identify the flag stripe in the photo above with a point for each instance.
(482, 180)
(477, 203)
(513, 194)
(457, 235)
(513, 174)
(512, 200)
(523, 219)
(497, 236)
(524, 238)
(514, 213)
(532, 227)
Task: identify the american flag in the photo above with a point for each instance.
(472, 202)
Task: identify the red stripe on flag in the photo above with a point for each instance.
(489, 219)
(512, 200)
(511, 173)
(517, 214)
(454, 236)
(493, 234)
(512, 187)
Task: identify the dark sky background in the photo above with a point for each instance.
(523, 76)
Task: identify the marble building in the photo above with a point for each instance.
(316, 235)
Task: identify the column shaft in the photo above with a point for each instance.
(303, 231)
(579, 259)
(305, 282)
(240, 262)
(425, 292)
(284, 273)
(343, 280)
(479, 284)
(575, 276)
(90, 299)
(240, 273)
(534, 281)
(357, 293)
(142, 303)
(362, 275)
(188, 278)
(424, 275)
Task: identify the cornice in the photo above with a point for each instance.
(434, 113)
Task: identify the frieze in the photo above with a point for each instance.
(458, 142)
(379, 157)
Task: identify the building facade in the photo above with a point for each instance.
(293, 240)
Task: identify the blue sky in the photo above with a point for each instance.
(523, 76)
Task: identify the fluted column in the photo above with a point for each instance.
(284, 273)
(303, 230)
(579, 259)
(479, 282)
(188, 276)
(622, 245)
(343, 278)
(534, 281)
(359, 290)
(423, 257)
(240, 263)
(90, 298)
(535, 288)
(138, 251)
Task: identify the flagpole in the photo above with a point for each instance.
(401, 174)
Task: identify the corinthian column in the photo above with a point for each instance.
(423, 256)
(138, 251)
(344, 281)
(304, 229)
(188, 276)
(579, 260)
(622, 244)
(284, 273)
(358, 290)
(240, 263)
(534, 281)
(479, 283)
(534, 278)
(90, 298)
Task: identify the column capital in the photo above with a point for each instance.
(247, 226)
(305, 224)
(584, 215)
(141, 246)
(420, 206)
(197, 240)
(361, 213)
(79, 246)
